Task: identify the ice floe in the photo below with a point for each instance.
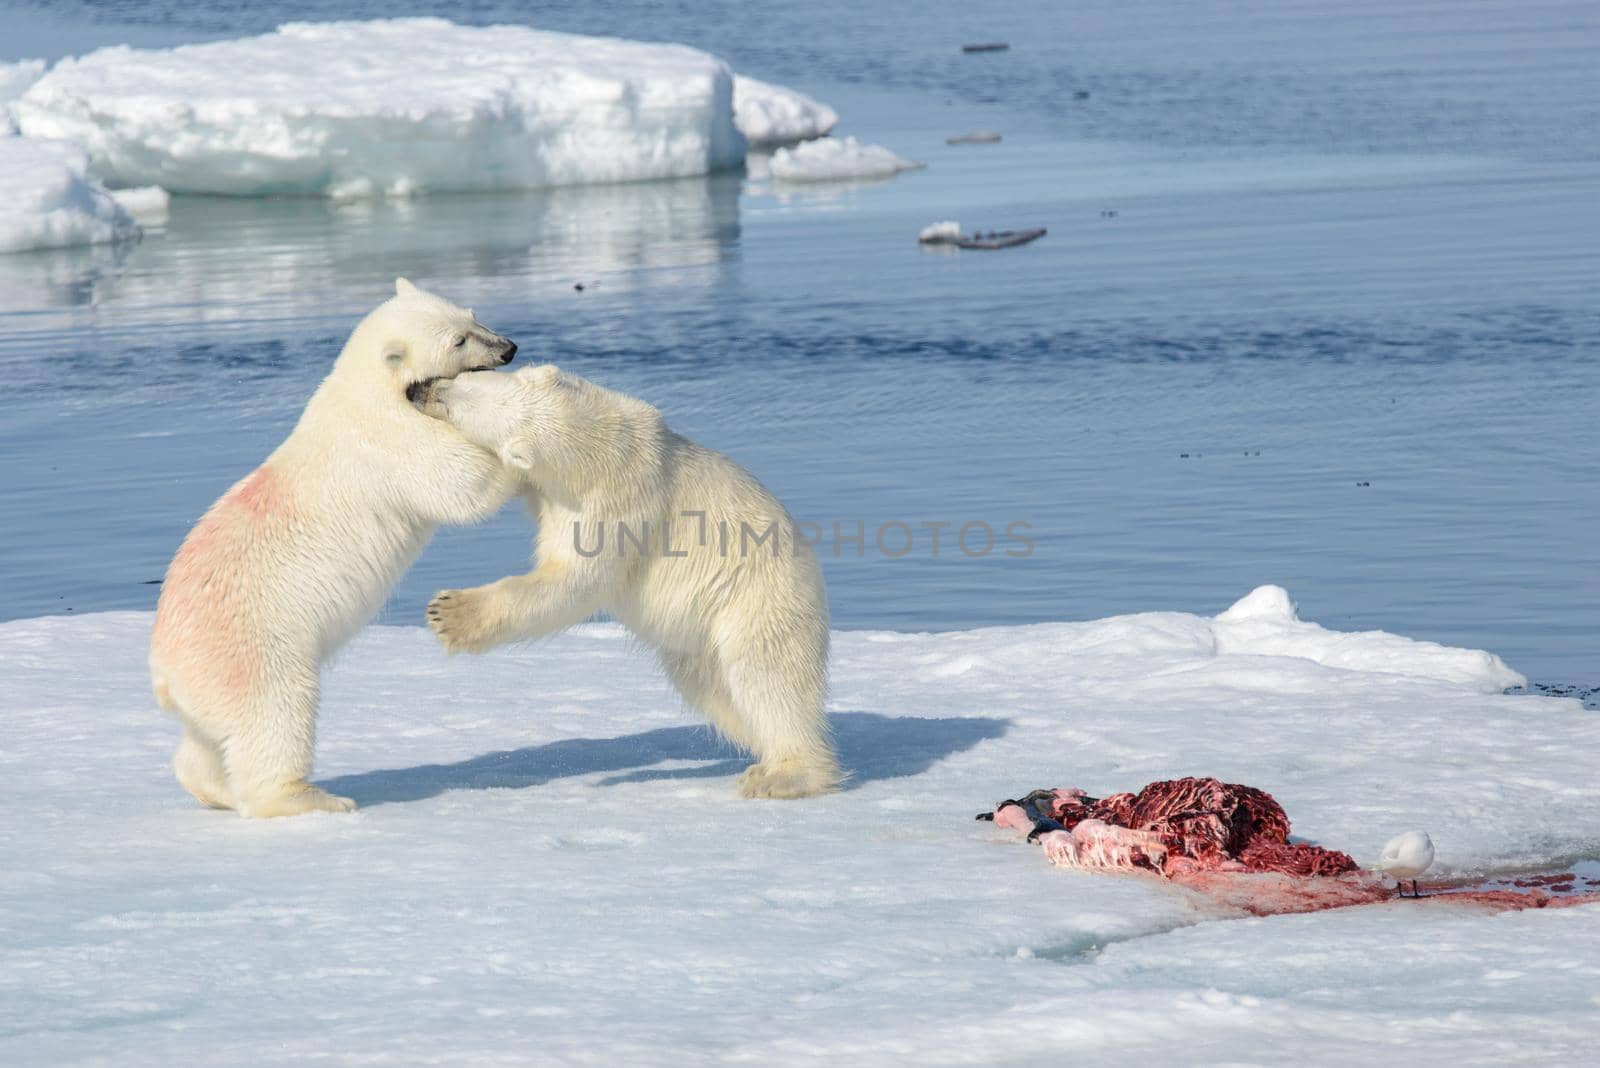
(394, 107)
(833, 159)
(550, 855)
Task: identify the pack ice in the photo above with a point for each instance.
(550, 856)
(393, 106)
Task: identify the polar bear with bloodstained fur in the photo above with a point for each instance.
(679, 543)
(294, 559)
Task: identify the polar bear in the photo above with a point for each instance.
(290, 563)
(679, 543)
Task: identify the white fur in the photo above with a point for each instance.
(741, 629)
(295, 558)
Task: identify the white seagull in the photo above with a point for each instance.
(1407, 856)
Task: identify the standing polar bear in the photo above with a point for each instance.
(679, 543)
(290, 563)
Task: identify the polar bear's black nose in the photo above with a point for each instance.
(511, 350)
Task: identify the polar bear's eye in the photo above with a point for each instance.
(461, 339)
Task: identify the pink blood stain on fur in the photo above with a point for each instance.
(258, 494)
(199, 617)
(1231, 843)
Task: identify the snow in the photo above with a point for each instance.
(832, 159)
(1265, 624)
(397, 107)
(48, 201)
(550, 857)
(14, 81)
(773, 115)
(17, 76)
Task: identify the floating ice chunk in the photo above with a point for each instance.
(940, 233)
(828, 160)
(976, 137)
(47, 200)
(772, 115)
(148, 203)
(392, 106)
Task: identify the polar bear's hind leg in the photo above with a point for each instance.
(700, 680)
(268, 752)
(198, 766)
(780, 699)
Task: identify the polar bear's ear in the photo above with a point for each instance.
(403, 288)
(516, 454)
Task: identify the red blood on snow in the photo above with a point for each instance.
(1229, 842)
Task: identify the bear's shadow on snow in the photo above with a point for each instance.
(871, 747)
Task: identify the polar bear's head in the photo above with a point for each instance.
(416, 338)
(547, 423)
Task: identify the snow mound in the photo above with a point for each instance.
(828, 160)
(550, 855)
(48, 201)
(396, 107)
(1264, 623)
(772, 115)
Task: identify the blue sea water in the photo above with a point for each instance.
(1318, 307)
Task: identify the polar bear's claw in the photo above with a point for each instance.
(459, 622)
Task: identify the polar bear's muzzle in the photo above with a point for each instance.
(500, 350)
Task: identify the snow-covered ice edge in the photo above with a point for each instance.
(550, 856)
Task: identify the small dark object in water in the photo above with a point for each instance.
(578, 286)
(977, 137)
(994, 46)
(151, 582)
(1109, 213)
(1081, 94)
(1000, 238)
(1363, 483)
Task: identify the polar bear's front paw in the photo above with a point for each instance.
(460, 621)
